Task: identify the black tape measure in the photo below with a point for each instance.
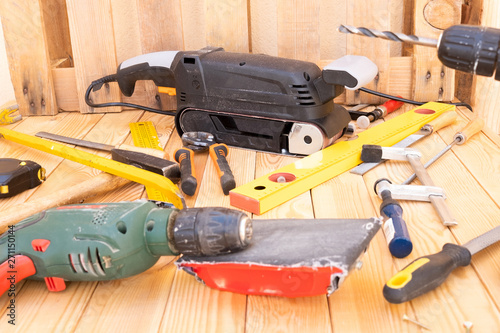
(17, 176)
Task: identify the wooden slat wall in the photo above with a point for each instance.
(486, 95)
(27, 51)
(91, 39)
(94, 52)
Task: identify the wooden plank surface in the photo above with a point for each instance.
(167, 300)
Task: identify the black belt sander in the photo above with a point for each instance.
(246, 100)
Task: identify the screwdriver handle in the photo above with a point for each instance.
(425, 274)
(218, 153)
(148, 151)
(443, 120)
(390, 106)
(185, 157)
(469, 131)
(395, 229)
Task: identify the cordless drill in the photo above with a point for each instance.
(105, 241)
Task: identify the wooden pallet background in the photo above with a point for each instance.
(57, 47)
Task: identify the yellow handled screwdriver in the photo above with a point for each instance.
(460, 138)
(428, 272)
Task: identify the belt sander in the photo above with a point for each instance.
(246, 100)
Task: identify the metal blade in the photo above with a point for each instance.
(481, 242)
(406, 142)
(73, 141)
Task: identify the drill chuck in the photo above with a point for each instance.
(210, 231)
(471, 49)
(467, 48)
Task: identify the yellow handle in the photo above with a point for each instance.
(471, 129)
(443, 120)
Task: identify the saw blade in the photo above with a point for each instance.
(73, 141)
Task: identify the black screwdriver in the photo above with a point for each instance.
(467, 48)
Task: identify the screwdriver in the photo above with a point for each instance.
(467, 48)
(428, 272)
(460, 138)
(379, 112)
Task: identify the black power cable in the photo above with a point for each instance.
(97, 84)
(404, 100)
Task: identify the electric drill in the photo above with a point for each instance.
(467, 48)
(105, 241)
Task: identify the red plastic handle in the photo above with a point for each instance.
(392, 105)
(14, 270)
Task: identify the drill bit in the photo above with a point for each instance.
(389, 35)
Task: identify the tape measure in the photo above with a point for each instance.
(17, 176)
(277, 187)
(145, 136)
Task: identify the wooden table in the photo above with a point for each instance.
(165, 299)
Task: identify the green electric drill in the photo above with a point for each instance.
(105, 241)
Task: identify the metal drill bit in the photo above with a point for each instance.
(389, 35)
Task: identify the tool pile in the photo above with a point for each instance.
(249, 101)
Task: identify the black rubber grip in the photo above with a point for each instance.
(471, 49)
(154, 164)
(211, 231)
(218, 153)
(425, 273)
(127, 77)
(371, 153)
(184, 157)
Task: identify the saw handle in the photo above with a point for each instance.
(185, 158)
(425, 273)
(218, 153)
(13, 270)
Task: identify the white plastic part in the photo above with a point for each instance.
(155, 59)
(363, 122)
(359, 67)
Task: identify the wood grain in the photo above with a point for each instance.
(370, 14)
(429, 235)
(28, 56)
(94, 57)
(286, 314)
(207, 309)
(433, 81)
(486, 97)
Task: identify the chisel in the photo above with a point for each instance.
(429, 272)
(442, 121)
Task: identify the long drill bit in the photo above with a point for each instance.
(389, 35)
